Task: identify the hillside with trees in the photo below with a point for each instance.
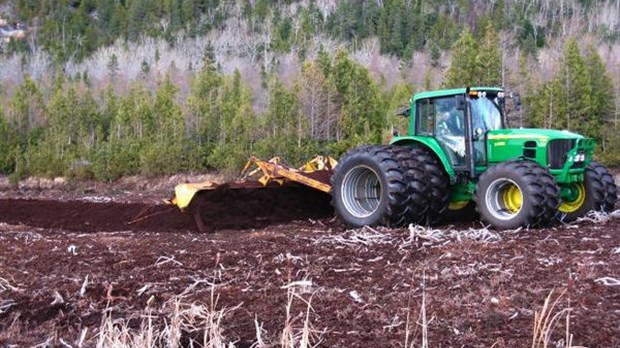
(107, 88)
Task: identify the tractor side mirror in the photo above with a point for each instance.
(460, 102)
(404, 112)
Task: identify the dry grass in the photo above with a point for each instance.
(295, 334)
(6, 303)
(547, 319)
(599, 217)
(196, 324)
(418, 236)
(411, 329)
(199, 325)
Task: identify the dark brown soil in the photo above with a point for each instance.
(363, 284)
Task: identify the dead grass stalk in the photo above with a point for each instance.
(547, 319)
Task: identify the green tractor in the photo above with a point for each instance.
(459, 157)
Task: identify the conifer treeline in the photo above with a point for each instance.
(76, 28)
(333, 104)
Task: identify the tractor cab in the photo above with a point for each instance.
(459, 121)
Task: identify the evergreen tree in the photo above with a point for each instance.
(602, 97)
(602, 103)
(73, 131)
(397, 98)
(137, 20)
(27, 109)
(545, 106)
(576, 92)
(566, 101)
(204, 104)
(9, 145)
(284, 129)
(129, 131)
(238, 126)
(113, 66)
(524, 82)
(489, 59)
(443, 32)
(463, 69)
(163, 152)
(362, 118)
(324, 62)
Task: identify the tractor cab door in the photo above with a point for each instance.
(485, 116)
(440, 117)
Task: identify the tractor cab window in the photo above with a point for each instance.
(485, 114)
(450, 129)
(425, 116)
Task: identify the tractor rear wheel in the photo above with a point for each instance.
(427, 184)
(597, 192)
(370, 188)
(439, 183)
(414, 161)
(515, 194)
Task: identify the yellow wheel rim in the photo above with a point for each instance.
(512, 198)
(574, 205)
(458, 205)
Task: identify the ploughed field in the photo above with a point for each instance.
(77, 271)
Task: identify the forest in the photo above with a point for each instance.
(101, 89)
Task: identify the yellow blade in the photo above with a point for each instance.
(184, 193)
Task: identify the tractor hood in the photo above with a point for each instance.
(553, 149)
(521, 135)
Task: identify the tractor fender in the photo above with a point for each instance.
(432, 145)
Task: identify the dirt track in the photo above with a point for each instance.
(481, 287)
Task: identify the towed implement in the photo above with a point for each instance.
(265, 191)
(459, 158)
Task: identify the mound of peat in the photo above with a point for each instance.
(223, 208)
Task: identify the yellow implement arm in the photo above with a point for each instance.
(275, 171)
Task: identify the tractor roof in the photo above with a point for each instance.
(455, 91)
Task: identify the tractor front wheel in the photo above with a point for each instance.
(370, 188)
(515, 194)
(597, 192)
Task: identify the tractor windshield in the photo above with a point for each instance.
(485, 114)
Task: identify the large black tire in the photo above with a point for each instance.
(517, 194)
(369, 188)
(439, 186)
(412, 161)
(598, 192)
(428, 184)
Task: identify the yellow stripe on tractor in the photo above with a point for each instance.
(314, 173)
